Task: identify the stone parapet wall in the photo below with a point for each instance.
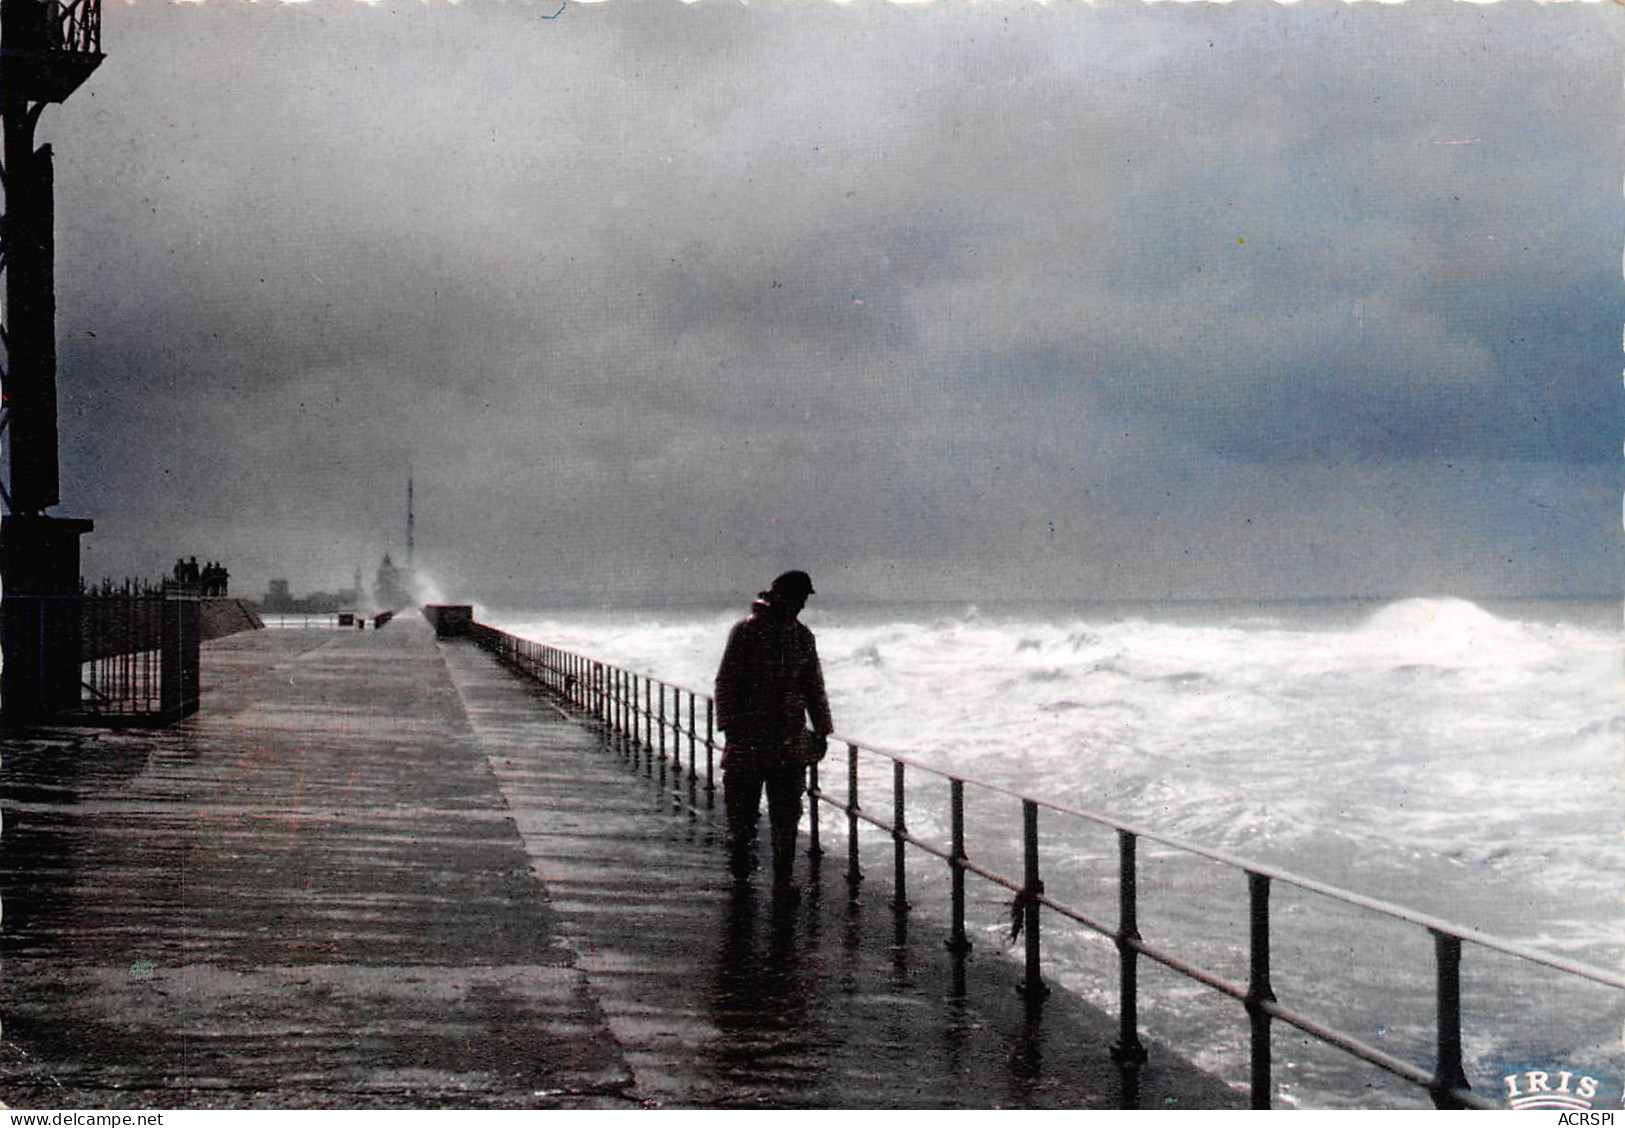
(222, 617)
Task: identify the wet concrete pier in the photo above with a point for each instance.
(377, 870)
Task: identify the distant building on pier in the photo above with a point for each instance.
(392, 588)
(281, 600)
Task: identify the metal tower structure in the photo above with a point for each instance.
(48, 48)
(409, 520)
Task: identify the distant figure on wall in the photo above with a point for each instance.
(187, 573)
(768, 687)
(216, 579)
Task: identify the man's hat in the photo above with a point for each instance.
(798, 583)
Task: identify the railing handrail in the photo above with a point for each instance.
(1275, 873)
(612, 694)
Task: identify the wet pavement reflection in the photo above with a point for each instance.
(377, 870)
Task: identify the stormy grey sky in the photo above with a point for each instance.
(955, 300)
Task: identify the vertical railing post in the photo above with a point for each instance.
(676, 723)
(899, 846)
(691, 738)
(635, 720)
(814, 850)
(854, 874)
(1032, 888)
(957, 940)
(648, 725)
(623, 720)
(662, 726)
(1449, 1078)
(1129, 1050)
(1259, 990)
(710, 751)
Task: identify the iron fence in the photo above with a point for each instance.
(103, 657)
(632, 708)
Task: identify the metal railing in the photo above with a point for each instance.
(632, 707)
(76, 26)
(116, 658)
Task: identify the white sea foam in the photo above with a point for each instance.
(1434, 725)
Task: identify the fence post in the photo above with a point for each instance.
(1449, 1078)
(899, 846)
(192, 687)
(1129, 1050)
(634, 720)
(648, 726)
(710, 752)
(179, 636)
(814, 850)
(622, 716)
(691, 739)
(169, 668)
(676, 731)
(1259, 991)
(957, 940)
(853, 874)
(1032, 888)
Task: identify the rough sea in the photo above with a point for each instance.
(1460, 760)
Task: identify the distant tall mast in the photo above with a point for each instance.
(409, 520)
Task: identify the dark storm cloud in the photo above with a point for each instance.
(1138, 300)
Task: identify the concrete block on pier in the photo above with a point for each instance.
(450, 620)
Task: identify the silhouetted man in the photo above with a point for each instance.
(768, 686)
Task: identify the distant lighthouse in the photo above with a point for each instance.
(395, 586)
